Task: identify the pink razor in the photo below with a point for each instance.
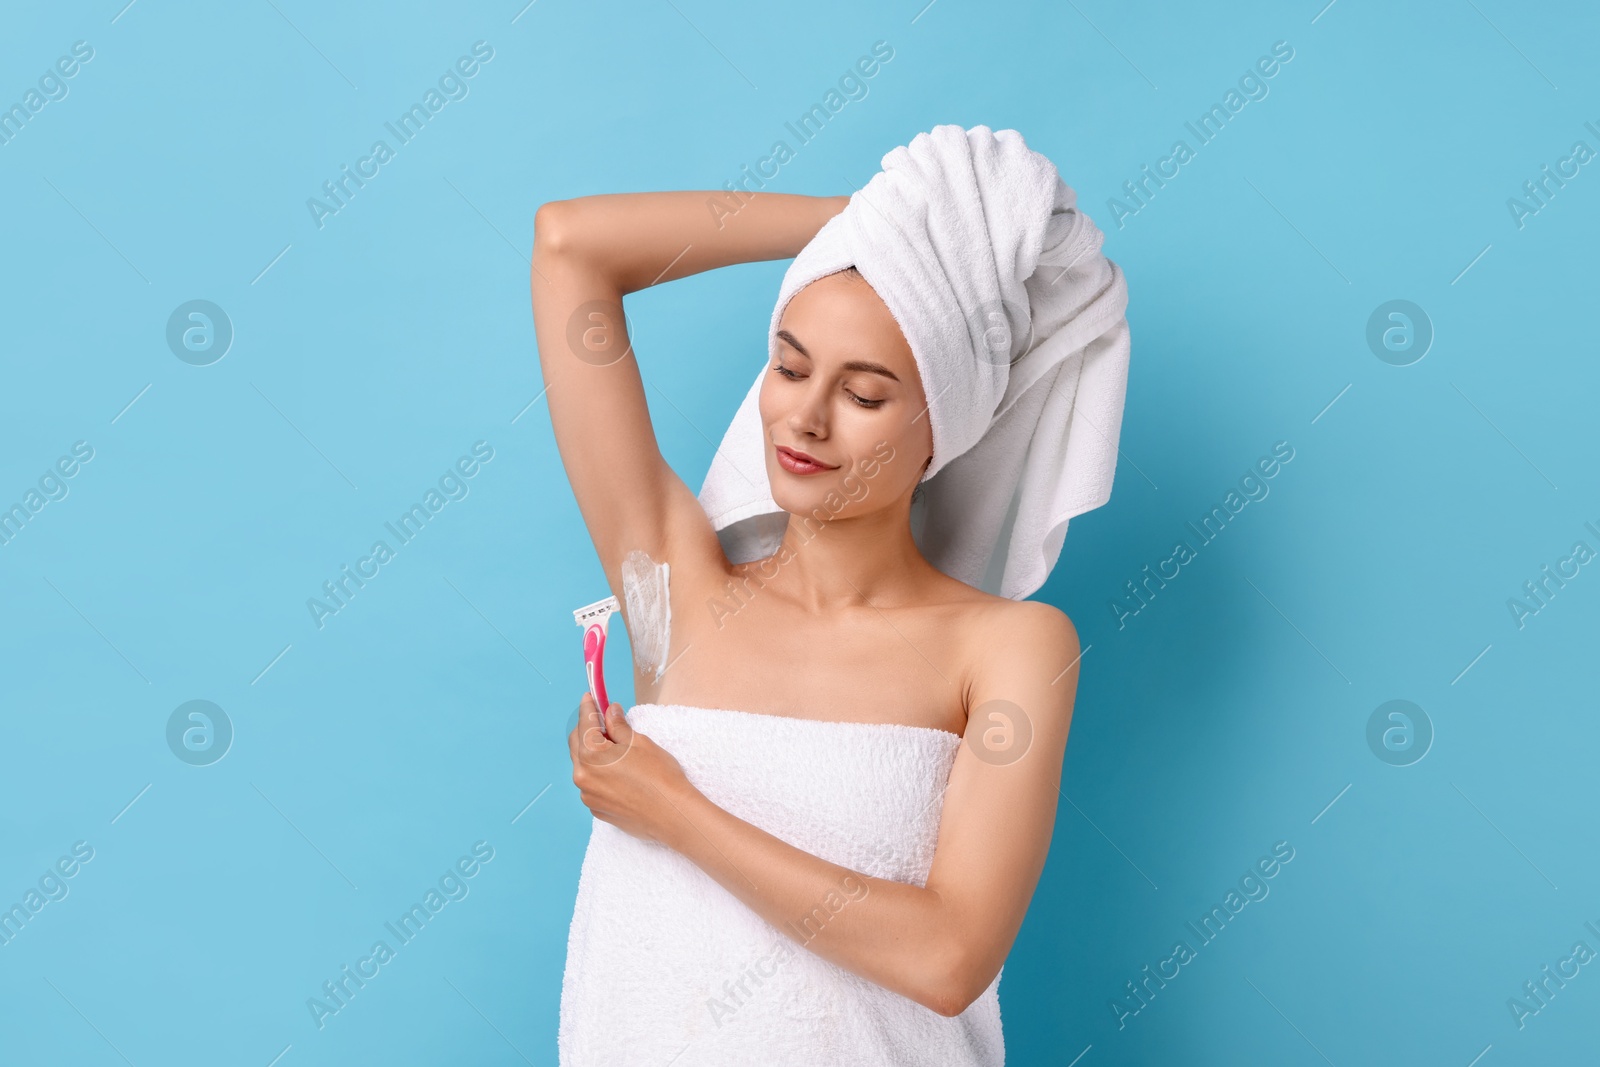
(593, 620)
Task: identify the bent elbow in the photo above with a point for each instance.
(950, 1001)
(948, 1005)
(953, 986)
(551, 232)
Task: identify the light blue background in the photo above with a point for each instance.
(372, 352)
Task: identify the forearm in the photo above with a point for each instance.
(893, 934)
(642, 239)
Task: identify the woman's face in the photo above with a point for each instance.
(844, 390)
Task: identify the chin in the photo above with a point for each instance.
(802, 495)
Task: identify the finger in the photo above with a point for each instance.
(591, 734)
(618, 742)
(617, 724)
(575, 736)
(576, 732)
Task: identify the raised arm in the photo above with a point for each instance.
(587, 254)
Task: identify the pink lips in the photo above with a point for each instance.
(799, 463)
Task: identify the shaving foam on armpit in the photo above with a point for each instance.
(644, 592)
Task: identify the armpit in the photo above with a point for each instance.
(649, 608)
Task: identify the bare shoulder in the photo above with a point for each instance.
(1025, 652)
(1031, 627)
(1021, 680)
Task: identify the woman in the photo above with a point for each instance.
(819, 831)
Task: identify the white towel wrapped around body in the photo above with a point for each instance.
(664, 965)
(1016, 320)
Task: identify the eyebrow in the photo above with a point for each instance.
(854, 364)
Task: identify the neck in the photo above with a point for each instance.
(851, 562)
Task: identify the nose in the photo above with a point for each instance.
(810, 414)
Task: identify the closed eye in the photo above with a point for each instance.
(860, 401)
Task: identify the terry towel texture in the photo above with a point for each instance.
(1016, 320)
(663, 962)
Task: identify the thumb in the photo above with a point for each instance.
(617, 723)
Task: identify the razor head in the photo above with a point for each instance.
(596, 612)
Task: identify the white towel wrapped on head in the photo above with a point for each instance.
(1016, 321)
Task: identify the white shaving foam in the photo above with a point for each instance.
(644, 592)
